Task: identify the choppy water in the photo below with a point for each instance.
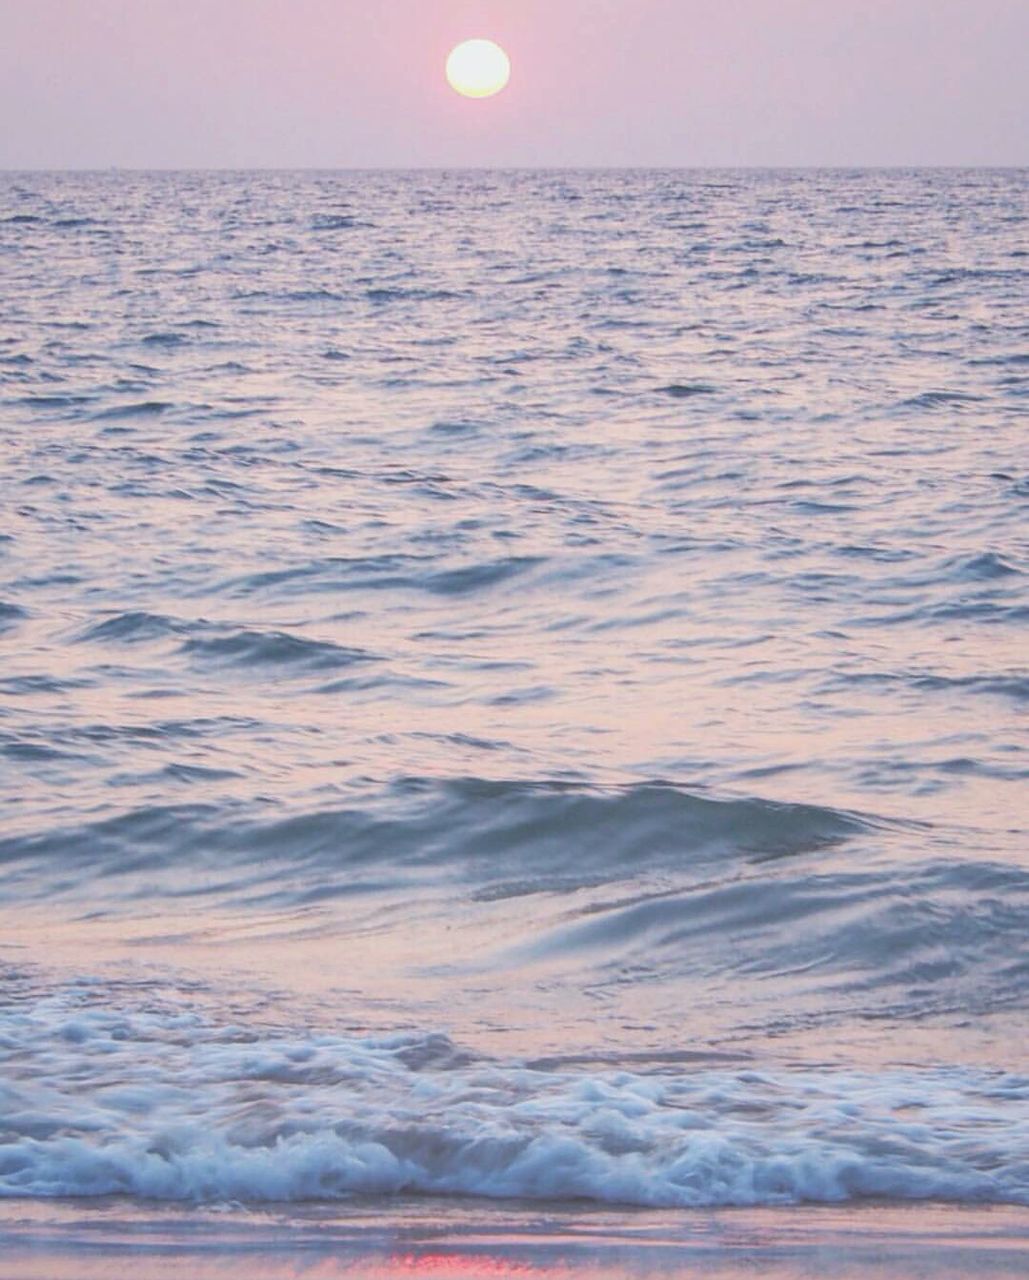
(514, 685)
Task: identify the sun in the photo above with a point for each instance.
(478, 68)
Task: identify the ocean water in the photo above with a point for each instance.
(514, 686)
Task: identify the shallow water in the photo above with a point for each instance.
(385, 1240)
(514, 685)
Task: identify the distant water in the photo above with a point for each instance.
(515, 685)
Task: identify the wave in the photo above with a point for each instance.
(18, 686)
(132, 627)
(141, 409)
(384, 293)
(200, 1112)
(1003, 684)
(164, 339)
(380, 573)
(338, 222)
(999, 685)
(507, 836)
(684, 390)
(247, 649)
(43, 401)
(952, 400)
(10, 615)
(244, 649)
(939, 935)
(645, 879)
(986, 566)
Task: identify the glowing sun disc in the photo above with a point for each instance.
(478, 68)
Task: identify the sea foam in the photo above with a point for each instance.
(169, 1106)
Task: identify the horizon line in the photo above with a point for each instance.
(835, 167)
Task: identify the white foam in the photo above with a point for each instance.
(170, 1107)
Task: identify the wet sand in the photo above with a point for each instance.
(110, 1239)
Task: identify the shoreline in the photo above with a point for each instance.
(79, 1240)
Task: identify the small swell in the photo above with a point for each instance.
(382, 295)
(11, 615)
(469, 831)
(133, 627)
(337, 222)
(381, 573)
(476, 577)
(940, 400)
(1001, 685)
(141, 409)
(685, 390)
(275, 649)
(165, 339)
(936, 934)
(986, 567)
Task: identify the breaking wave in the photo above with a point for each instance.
(165, 1106)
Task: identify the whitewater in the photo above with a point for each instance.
(513, 689)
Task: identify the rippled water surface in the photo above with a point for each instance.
(515, 685)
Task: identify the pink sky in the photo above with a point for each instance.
(338, 83)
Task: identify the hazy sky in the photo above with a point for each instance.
(293, 83)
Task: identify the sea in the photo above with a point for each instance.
(513, 695)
